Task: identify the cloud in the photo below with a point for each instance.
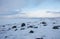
(13, 16)
(31, 14)
(20, 3)
(11, 9)
(6, 12)
(55, 12)
(17, 4)
(42, 13)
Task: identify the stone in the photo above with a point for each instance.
(22, 28)
(43, 22)
(23, 24)
(55, 27)
(6, 36)
(3, 25)
(39, 38)
(14, 27)
(30, 26)
(31, 31)
(35, 27)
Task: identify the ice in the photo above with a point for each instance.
(32, 28)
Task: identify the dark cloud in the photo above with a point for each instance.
(53, 11)
(5, 13)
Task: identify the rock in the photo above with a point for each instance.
(45, 25)
(22, 28)
(23, 24)
(35, 27)
(54, 23)
(3, 25)
(30, 26)
(55, 27)
(43, 22)
(31, 31)
(39, 38)
(9, 29)
(6, 36)
(14, 27)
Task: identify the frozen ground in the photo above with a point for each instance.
(32, 28)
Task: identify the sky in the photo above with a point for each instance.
(10, 9)
(13, 7)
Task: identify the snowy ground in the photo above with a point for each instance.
(32, 28)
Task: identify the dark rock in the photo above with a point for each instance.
(35, 27)
(2, 30)
(45, 25)
(9, 29)
(23, 24)
(31, 31)
(14, 27)
(22, 28)
(6, 36)
(3, 26)
(30, 26)
(43, 22)
(55, 27)
(53, 22)
(39, 38)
